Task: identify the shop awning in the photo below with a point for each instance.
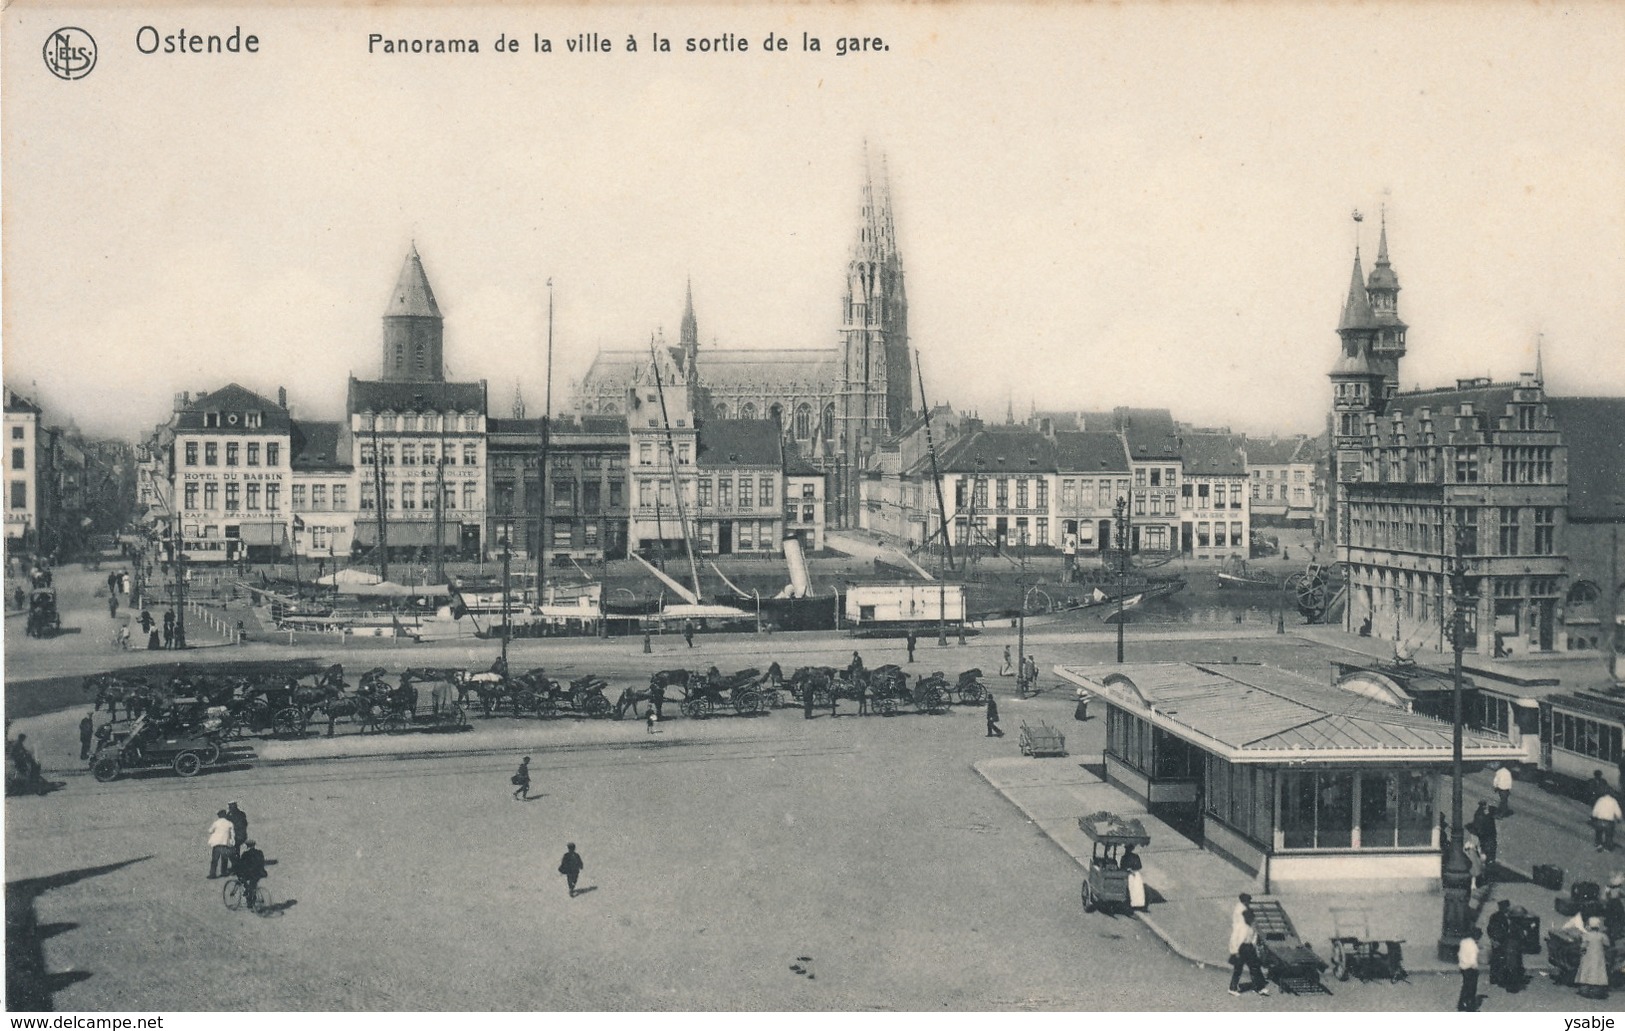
(407, 535)
(263, 533)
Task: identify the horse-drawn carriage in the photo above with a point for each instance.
(43, 618)
(707, 694)
(380, 707)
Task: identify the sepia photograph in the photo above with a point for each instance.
(792, 508)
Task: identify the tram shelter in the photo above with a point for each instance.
(1303, 784)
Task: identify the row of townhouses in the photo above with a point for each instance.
(62, 488)
(419, 467)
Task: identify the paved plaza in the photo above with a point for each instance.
(913, 858)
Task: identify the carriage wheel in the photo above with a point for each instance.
(289, 721)
(453, 715)
(210, 755)
(886, 705)
(187, 764)
(106, 768)
(1090, 903)
(1340, 960)
(694, 708)
(973, 694)
(745, 702)
(395, 722)
(597, 705)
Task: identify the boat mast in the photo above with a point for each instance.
(936, 475)
(677, 484)
(440, 507)
(541, 474)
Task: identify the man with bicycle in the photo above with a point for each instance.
(249, 869)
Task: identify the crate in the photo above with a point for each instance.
(1548, 876)
(1042, 741)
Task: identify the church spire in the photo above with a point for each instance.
(1540, 364)
(414, 330)
(1357, 314)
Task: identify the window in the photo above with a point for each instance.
(1069, 495)
(191, 452)
(808, 516)
(590, 534)
(427, 493)
(233, 501)
(765, 492)
(705, 492)
(1235, 495)
(1139, 504)
(368, 499)
(409, 454)
(1235, 535)
(683, 454)
(646, 495)
(591, 494)
(747, 410)
(1002, 487)
(211, 453)
(725, 493)
(233, 450)
(321, 538)
(1467, 530)
(254, 454)
(211, 496)
(1139, 477)
(273, 497)
(387, 453)
(409, 496)
(471, 454)
(341, 496)
(747, 493)
(251, 497)
(802, 427)
(1103, 494)
(617, 494)
(564, 494)
(448, 454)
(1021, 493)
(1545, 531)
(16, 433)
(646, 452)
(1043, 531)
(191, 495)
(746, 537)
(1467, 465)
(1509, 531)
(19, 458)
(468, 497)
(273, 454)
(318, 497)
(211, 420)
(979, 495)
(298, 497)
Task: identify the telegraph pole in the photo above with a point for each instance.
(507, 555)
(1122, 568)
(1457, 874)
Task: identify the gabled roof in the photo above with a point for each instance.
(1489, 402)
(1276, 451)
(315, 445)
(1212, 454)
(1594, 430)
(412, 295)
(232, 403)
(1150, 432)
(740, 367)
(16, 402)
(388, 396)
(1007, 452)
(725, 443)
(1090, 451)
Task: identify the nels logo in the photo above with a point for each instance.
(70, 53)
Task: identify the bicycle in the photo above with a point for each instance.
(236, 895)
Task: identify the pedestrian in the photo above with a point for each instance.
(993, 717)
(1467, 963)
(1244, 953)
(1503, 943)
(1132, 864)
(239, 830)
(688, 632)
(124, 583)
(1605, 815)
(22, 759)
(1483, 827)
(1503, 790)
(1613, 906)
(169, 628)
(911, 642)
(87, 731)
(153, 643)
(112, 582)
(1592, 977)
(1244, 903)
(1596, 787)
(657, 698)
(521, 780)
(807, 695)
(112, 606)
(652, 720)
(220, 841)
(1007, 670)
(570, 866)
(1080, 712)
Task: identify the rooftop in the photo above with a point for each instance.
(724, 443)
(315, 445)
(1594, 430)
(226, 411)
(381, 396)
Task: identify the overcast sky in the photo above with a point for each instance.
(1144, 205)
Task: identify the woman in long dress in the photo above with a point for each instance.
(1131, 865)
(1592, 977)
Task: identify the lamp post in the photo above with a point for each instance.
(1457, 873)
(1122, 568)
(507, 557)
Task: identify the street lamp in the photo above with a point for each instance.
(1122, 568)
(507, 556)
(1456, 876)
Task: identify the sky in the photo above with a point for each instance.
(1145, 204)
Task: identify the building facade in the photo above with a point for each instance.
(1214, 497)
(22, 467)
(1285, 477)
(322, 500)
(230, 456)
(584, 516)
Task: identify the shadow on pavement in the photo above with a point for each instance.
(29, 986)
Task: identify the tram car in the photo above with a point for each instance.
(1581, 732)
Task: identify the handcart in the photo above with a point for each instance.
(1042, 741)
(1287, 958)
(1106, 883)
(1355, 953)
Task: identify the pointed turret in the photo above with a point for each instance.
(1357, 313)
(413, 328)
(688, 338)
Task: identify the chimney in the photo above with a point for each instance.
(282, 397)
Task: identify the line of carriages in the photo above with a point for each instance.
(190, 716)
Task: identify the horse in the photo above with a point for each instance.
(487, 685)
(629, 699)
(440, 695)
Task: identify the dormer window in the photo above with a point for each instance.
(253, 420)
(211, 420)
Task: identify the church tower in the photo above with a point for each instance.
(413, 328)
(689, 337)
(877, 379)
